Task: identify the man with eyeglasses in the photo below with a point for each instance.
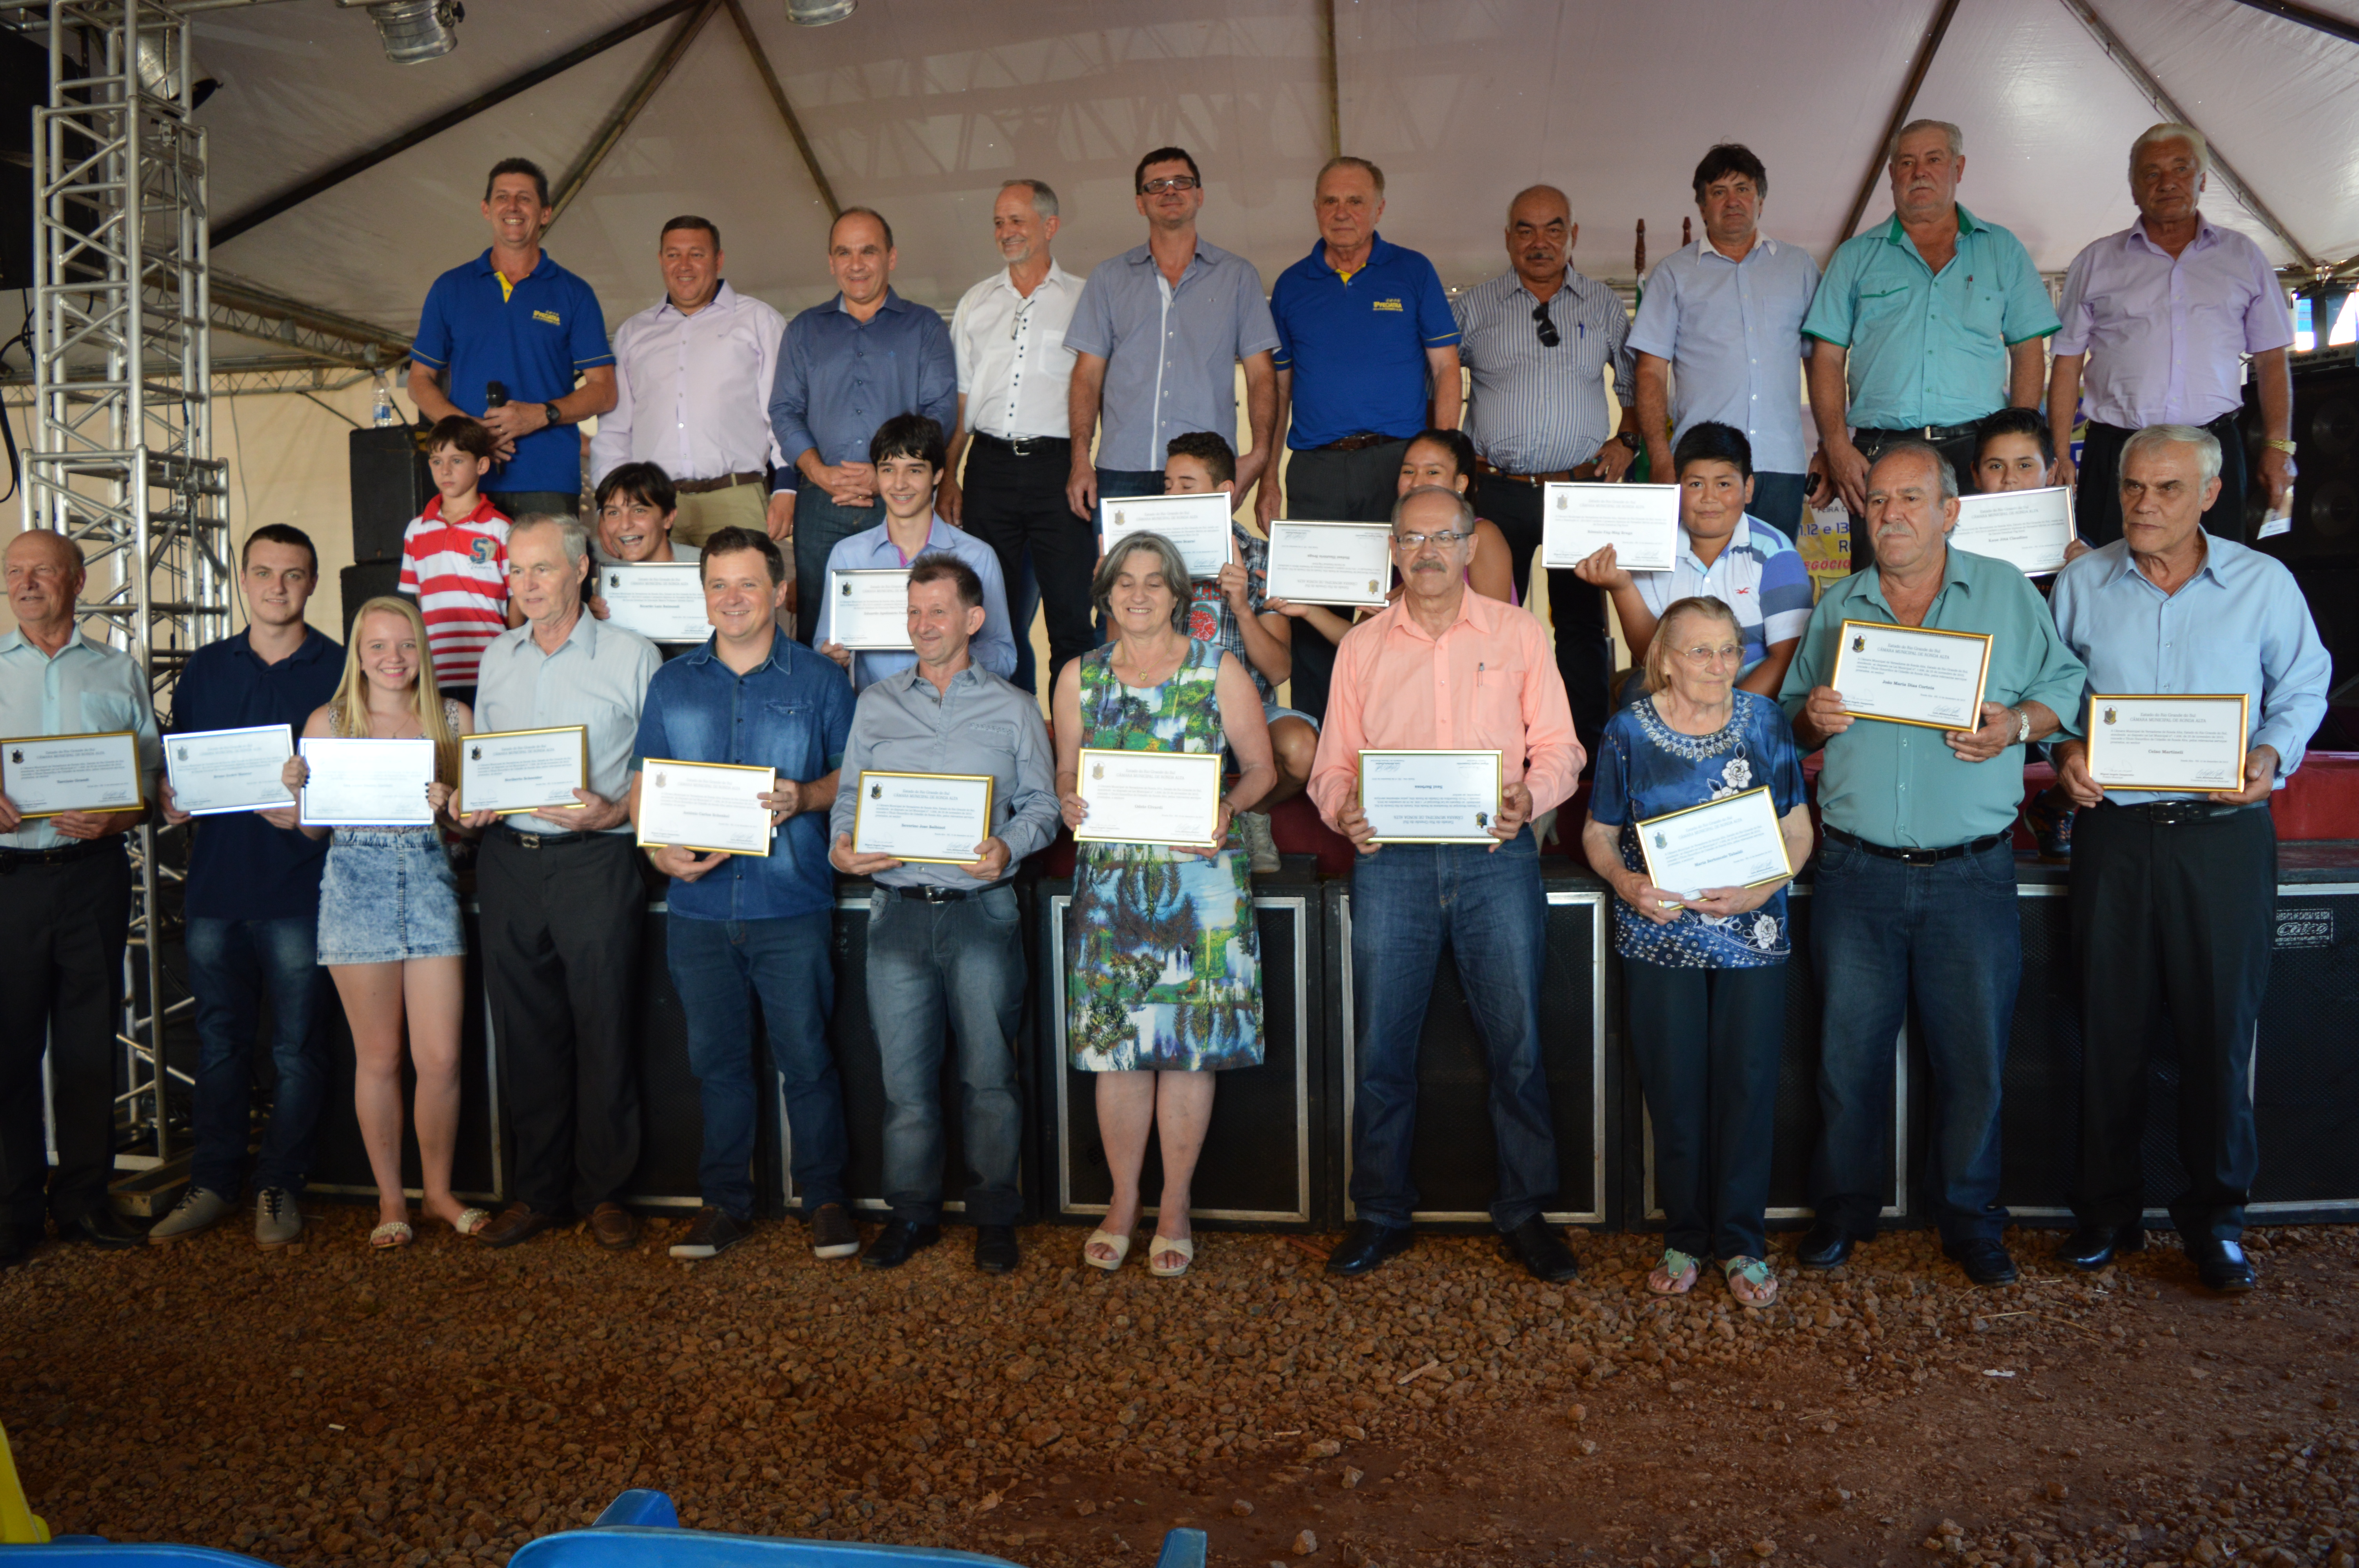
(1156, 339)
(1444, 667)
(1536, 342)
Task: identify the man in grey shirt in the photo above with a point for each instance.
(563, 903)
(945, 947)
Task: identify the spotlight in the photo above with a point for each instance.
(414, 30)
(159, 72)
(819, 13)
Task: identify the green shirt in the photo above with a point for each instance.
(1899, 785)
(1929, 348)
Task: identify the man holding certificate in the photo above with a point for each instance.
(1922, 678)
(754, 922)
(2200, 651)
(947, 786)
(1445, 672)
(65, 895)
(559, 883)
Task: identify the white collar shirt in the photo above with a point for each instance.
(693, 392)
(1013, 366)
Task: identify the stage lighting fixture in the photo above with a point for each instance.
(819, 13)
(414, 30)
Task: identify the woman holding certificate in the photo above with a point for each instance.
(1683, 777)
(389, 931)
(1163, 962)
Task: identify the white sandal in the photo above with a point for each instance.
(393, 1233)
(470, 1221)
(1121, 1244)
(1162, 1244)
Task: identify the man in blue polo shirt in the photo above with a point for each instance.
(515, 319)
(253, 906)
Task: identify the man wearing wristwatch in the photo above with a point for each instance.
(502, 340)
(1915, 900)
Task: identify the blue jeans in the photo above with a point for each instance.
(719, 967)
(961, 966)
(1121, 484)
(232, 964)
(1948, 936)
(1777, 501)
(1407, 901)
(820, 526)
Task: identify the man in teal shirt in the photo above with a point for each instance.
(1925, 324)
(1915, 893)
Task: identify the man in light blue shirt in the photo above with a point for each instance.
(2173, 890)
(1723, 316)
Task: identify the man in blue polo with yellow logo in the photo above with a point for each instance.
(1366, 348)
(502, 340)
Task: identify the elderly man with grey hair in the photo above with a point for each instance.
(1925, 324)
(2159, 320)
(2174, 888)
(563, 903)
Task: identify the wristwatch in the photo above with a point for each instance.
(551, 412)
(1628, 439)
(2022, 725)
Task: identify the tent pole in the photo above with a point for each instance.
(2302, 16)
(1334, 85)
(619, 123)
(786, 110)
(1906, 100)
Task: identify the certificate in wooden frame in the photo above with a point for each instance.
(2097, 701)
(860, 811)
(1213, 759)
(1645, 851)
(648, 767)
(138, 776)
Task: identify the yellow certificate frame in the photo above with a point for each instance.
(1646, 854)
(860, 809)
(2244, 732)
(1498, 783)
(139, 774)
(1982, 677)
(1213, 759)
(459, 805)
(639, 835)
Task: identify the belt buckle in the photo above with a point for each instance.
(524, 840)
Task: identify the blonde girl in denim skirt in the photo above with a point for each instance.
(390, 928)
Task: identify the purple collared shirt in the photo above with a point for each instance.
(2165, 335)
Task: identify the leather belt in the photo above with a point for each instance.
(524, 840)
(929, 893)
(1918, 856)
(707, 486)
(1587, 471)
(1922, 433)
(64, 854)
(1359, 443)
(2169, 812)
(1026, 446)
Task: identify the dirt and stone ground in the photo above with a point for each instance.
(443, 1405)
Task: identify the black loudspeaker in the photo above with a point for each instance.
(1454, 1162)
(2326, 483)
(1264, 1165)
(370, 579)
(390, 488)
(672, 1132)
(24, 85)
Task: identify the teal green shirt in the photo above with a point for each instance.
(1900, 784)
(1929, 348)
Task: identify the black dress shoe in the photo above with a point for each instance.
(2091, 1247)
(1825, 1245)
(995, 1248)
(898, 1241)
(2222, 1264)
(1986, 1262)
(1540, 1247)
(102, 1226)
(1368, 1244)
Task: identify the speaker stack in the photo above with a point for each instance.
(2322, 547)
(390, 486)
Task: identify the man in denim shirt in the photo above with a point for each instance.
(744, 926)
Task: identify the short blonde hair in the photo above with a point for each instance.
(1659, 652)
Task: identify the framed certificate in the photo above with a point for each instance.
(509, 770)
(1151, 797)
(2194, 743)
(1430, 797)
(357, 782)
(710, 807)
(1732, 842)
(47, 775)
(1912, 674)
(1640, 521)
(661, 601)
(1198, 525)
(214, 771)
(869, 609)
(2029, 529)
(1331, 563)
(925, 818)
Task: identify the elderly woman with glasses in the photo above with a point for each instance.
(1704, 970)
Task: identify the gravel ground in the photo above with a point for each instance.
(445, 1404)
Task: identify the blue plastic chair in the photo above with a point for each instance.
(90, 1551)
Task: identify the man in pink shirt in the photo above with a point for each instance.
(1444, 668)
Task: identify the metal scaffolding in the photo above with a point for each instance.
(122, 450)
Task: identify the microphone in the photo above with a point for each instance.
(495, 396)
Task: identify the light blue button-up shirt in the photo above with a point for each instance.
(88, 688)
(1171, 352)
(2239, 625)
(872, 549)
(1731, 331)
(597, 678)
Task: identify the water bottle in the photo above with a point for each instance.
(382, 414)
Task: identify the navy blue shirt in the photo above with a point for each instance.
(840, 377)
(533, 338)
(791, 712)
(1356, 345)
(240, 866)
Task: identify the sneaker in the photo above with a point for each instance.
(200, 1208)
(712, 1232)
(1261, 848)
(2050, 817)
(833, 1234)
(277, 1219)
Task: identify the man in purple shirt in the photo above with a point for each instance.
(2160, 317)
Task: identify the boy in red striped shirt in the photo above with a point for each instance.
(455, 558)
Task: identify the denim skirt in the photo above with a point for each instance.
(388, 894)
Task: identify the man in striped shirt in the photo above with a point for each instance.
(454, 557)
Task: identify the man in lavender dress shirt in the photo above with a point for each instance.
(2158, 319)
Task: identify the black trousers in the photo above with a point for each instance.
(560, 932)
(2097, 488)
(1584, 652)
(1015, 503)
(2172, 922)
(62, 930)
(1334, 487)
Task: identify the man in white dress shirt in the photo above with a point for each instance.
(1013, 372)
(693, 394)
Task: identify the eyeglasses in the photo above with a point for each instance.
(1419, 541)
(1549, 335)
(1170, 182)
(1702, 657)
